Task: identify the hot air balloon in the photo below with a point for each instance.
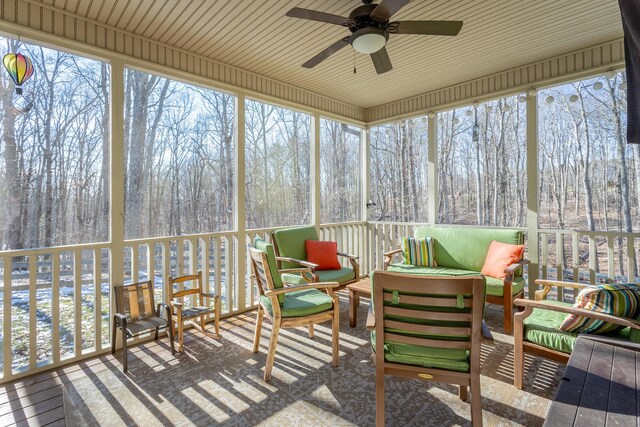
(19, 67)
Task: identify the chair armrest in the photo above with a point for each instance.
(320, 285)
(298, 261)
(209, 294)
(371, 319)
(634, 324)
(388, 256)
(176, 304)
(354, 257)
(516, 265)
(121, 320)
(548, 284)
(296, 270)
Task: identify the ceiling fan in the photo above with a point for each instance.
(370, 28)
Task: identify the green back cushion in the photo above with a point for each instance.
(290, 243)
(465, 248)
(620, 300)
(418, 251)
(267, 248)
(345, 274)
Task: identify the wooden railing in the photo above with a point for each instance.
(56, 302)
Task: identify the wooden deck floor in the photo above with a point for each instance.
(37, 400)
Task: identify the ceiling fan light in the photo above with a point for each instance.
(368, 40)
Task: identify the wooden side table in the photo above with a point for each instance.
(360, 288)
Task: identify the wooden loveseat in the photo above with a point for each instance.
(462, 252)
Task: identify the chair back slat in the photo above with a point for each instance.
(427, 329)
(261, 270)
(428, 301)
(135, 300)
(182, 294)
(426, 342)
(414, 283)
(426, 315)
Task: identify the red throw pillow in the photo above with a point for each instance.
(325, 254)
(499, 257)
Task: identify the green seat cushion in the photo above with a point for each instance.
(290, 242)
(301, 303)
(428, 357)
(466, 248)
(343, 275)
(267, 248)
(494, 286)
(542, 327)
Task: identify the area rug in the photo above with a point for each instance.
(219, 382)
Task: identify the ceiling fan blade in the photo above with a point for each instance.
(387, 8)
(314, 15)
(326, 53)
(436, 28)
(381, 61)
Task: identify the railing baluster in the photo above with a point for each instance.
(166, 269)
(631, 259)
(97, 300)
(575, 249)
(611, 268)
(6, 329)
(180, 258)
(559, 264)
(545, 254)
(33, 310)
(593, 259)
(77, 301)
(134, 263)
(55, 305)
(217, 267)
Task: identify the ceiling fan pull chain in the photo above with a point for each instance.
(354, 62)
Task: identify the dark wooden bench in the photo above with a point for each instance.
(600, 385)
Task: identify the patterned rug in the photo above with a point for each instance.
(220, 382)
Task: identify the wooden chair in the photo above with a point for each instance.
(137, 315)
(197, 309)
(544, 319)
(289, 245)
(428, 328)
(302, 305)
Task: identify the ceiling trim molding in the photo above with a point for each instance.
(550, 71)
(58, 23)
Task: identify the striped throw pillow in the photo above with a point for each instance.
(620, 300)
(418, 251)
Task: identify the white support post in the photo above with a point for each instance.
(365, 191)
(316, 192)
(532, 189)
(432, 169)
(116, 180)
(240, 217)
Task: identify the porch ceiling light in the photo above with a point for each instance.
(597, 85)
(550, 99)
(369, 40)
(573, 98)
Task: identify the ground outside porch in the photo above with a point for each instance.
(220, 382)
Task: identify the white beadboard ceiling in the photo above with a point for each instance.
(257, 36)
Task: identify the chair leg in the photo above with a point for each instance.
(156, 336)
(476, 401)
(114, 328)
(379, 396)
(273, 342)
(170, 332)
(256, 335)
(217, 315)
(463, 392)
(124, 352)
(311, 334)
(180, 334)
(518, 348)
(202, 324)
(508, 314)
(335, 337)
